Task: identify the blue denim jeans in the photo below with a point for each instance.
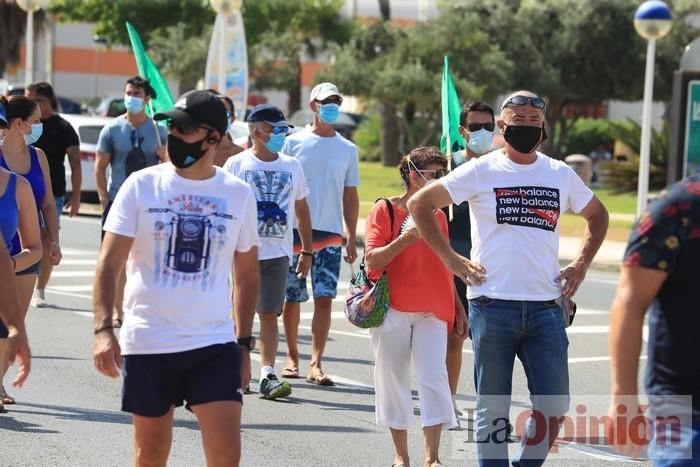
(533, 331)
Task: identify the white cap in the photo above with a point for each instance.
(323, 91)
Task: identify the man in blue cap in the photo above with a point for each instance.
(280, 190)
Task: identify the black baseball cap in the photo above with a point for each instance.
(269, 114)
(196, 108)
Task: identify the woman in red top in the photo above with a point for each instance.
(421, 314)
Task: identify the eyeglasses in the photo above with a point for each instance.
(331, 100)
(435, 173)
(518, 100)
(185, 129)
(472, 127)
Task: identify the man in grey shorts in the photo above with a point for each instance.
(280, 189)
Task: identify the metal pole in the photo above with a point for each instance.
(29, 51)
(222, 56)
(49, 49)
(644, 147)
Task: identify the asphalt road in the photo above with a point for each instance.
(68, 414)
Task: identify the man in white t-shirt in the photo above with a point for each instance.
(330, 165)
(516, 196)
(280, 190)
(186, 228)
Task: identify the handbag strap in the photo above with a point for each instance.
(390, 207)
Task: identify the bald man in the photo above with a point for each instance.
(516, 196)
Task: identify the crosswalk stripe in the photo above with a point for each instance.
(73, 274)
(78, 262)
(71, 288)
(79, 252)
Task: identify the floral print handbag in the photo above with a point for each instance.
(367, 301)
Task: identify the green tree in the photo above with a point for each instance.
(575, 52)
(177, 32)
(400, 69)
(280, 32)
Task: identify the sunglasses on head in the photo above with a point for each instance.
(472, 127)
(519, 100)
(331, 100)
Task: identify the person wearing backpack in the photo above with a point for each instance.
(128, 143)
(423, 309)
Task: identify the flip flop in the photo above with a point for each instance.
(6, 399)
(291, 373)
(321, 379)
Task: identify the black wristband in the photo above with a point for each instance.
(306, 253)
(103, 328)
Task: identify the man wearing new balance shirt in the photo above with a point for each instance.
(516, 196)
(187, 228)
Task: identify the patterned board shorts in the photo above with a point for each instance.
(325, 270)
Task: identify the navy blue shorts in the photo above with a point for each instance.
(33, 269)
(155, 382)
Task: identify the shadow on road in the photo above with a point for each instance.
(77, 414)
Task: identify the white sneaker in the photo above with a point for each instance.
(38, 300)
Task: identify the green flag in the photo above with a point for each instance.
(451, 140)
(163, 100)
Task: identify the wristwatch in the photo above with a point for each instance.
(247, 342)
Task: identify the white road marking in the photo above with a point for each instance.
(78, 262)
(73, 274)
(79, 252)
(70, 288)
(86, 220)
(69, 294)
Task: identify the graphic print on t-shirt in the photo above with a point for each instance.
(273, 191)
(528, 206)
(187, 233)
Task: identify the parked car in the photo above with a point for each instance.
(108, 106)
(63, 104)
(88, 129)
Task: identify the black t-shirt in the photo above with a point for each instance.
(459, 226)
(667, 238)
(58, 135)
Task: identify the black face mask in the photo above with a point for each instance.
(182, 154)
(524, 139)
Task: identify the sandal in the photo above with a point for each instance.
(321, 379)
(292, 373)
(6, 399)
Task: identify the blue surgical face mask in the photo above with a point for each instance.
(133, 104)
(480, 141)
(276, 142)
(37, 130)
(328, 113)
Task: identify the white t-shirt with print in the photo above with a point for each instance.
(178, 288)
(330, 165)
(514, 212)
(277, 185)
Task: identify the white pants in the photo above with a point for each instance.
(423, 337)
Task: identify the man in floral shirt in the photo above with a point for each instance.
(662, 269)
